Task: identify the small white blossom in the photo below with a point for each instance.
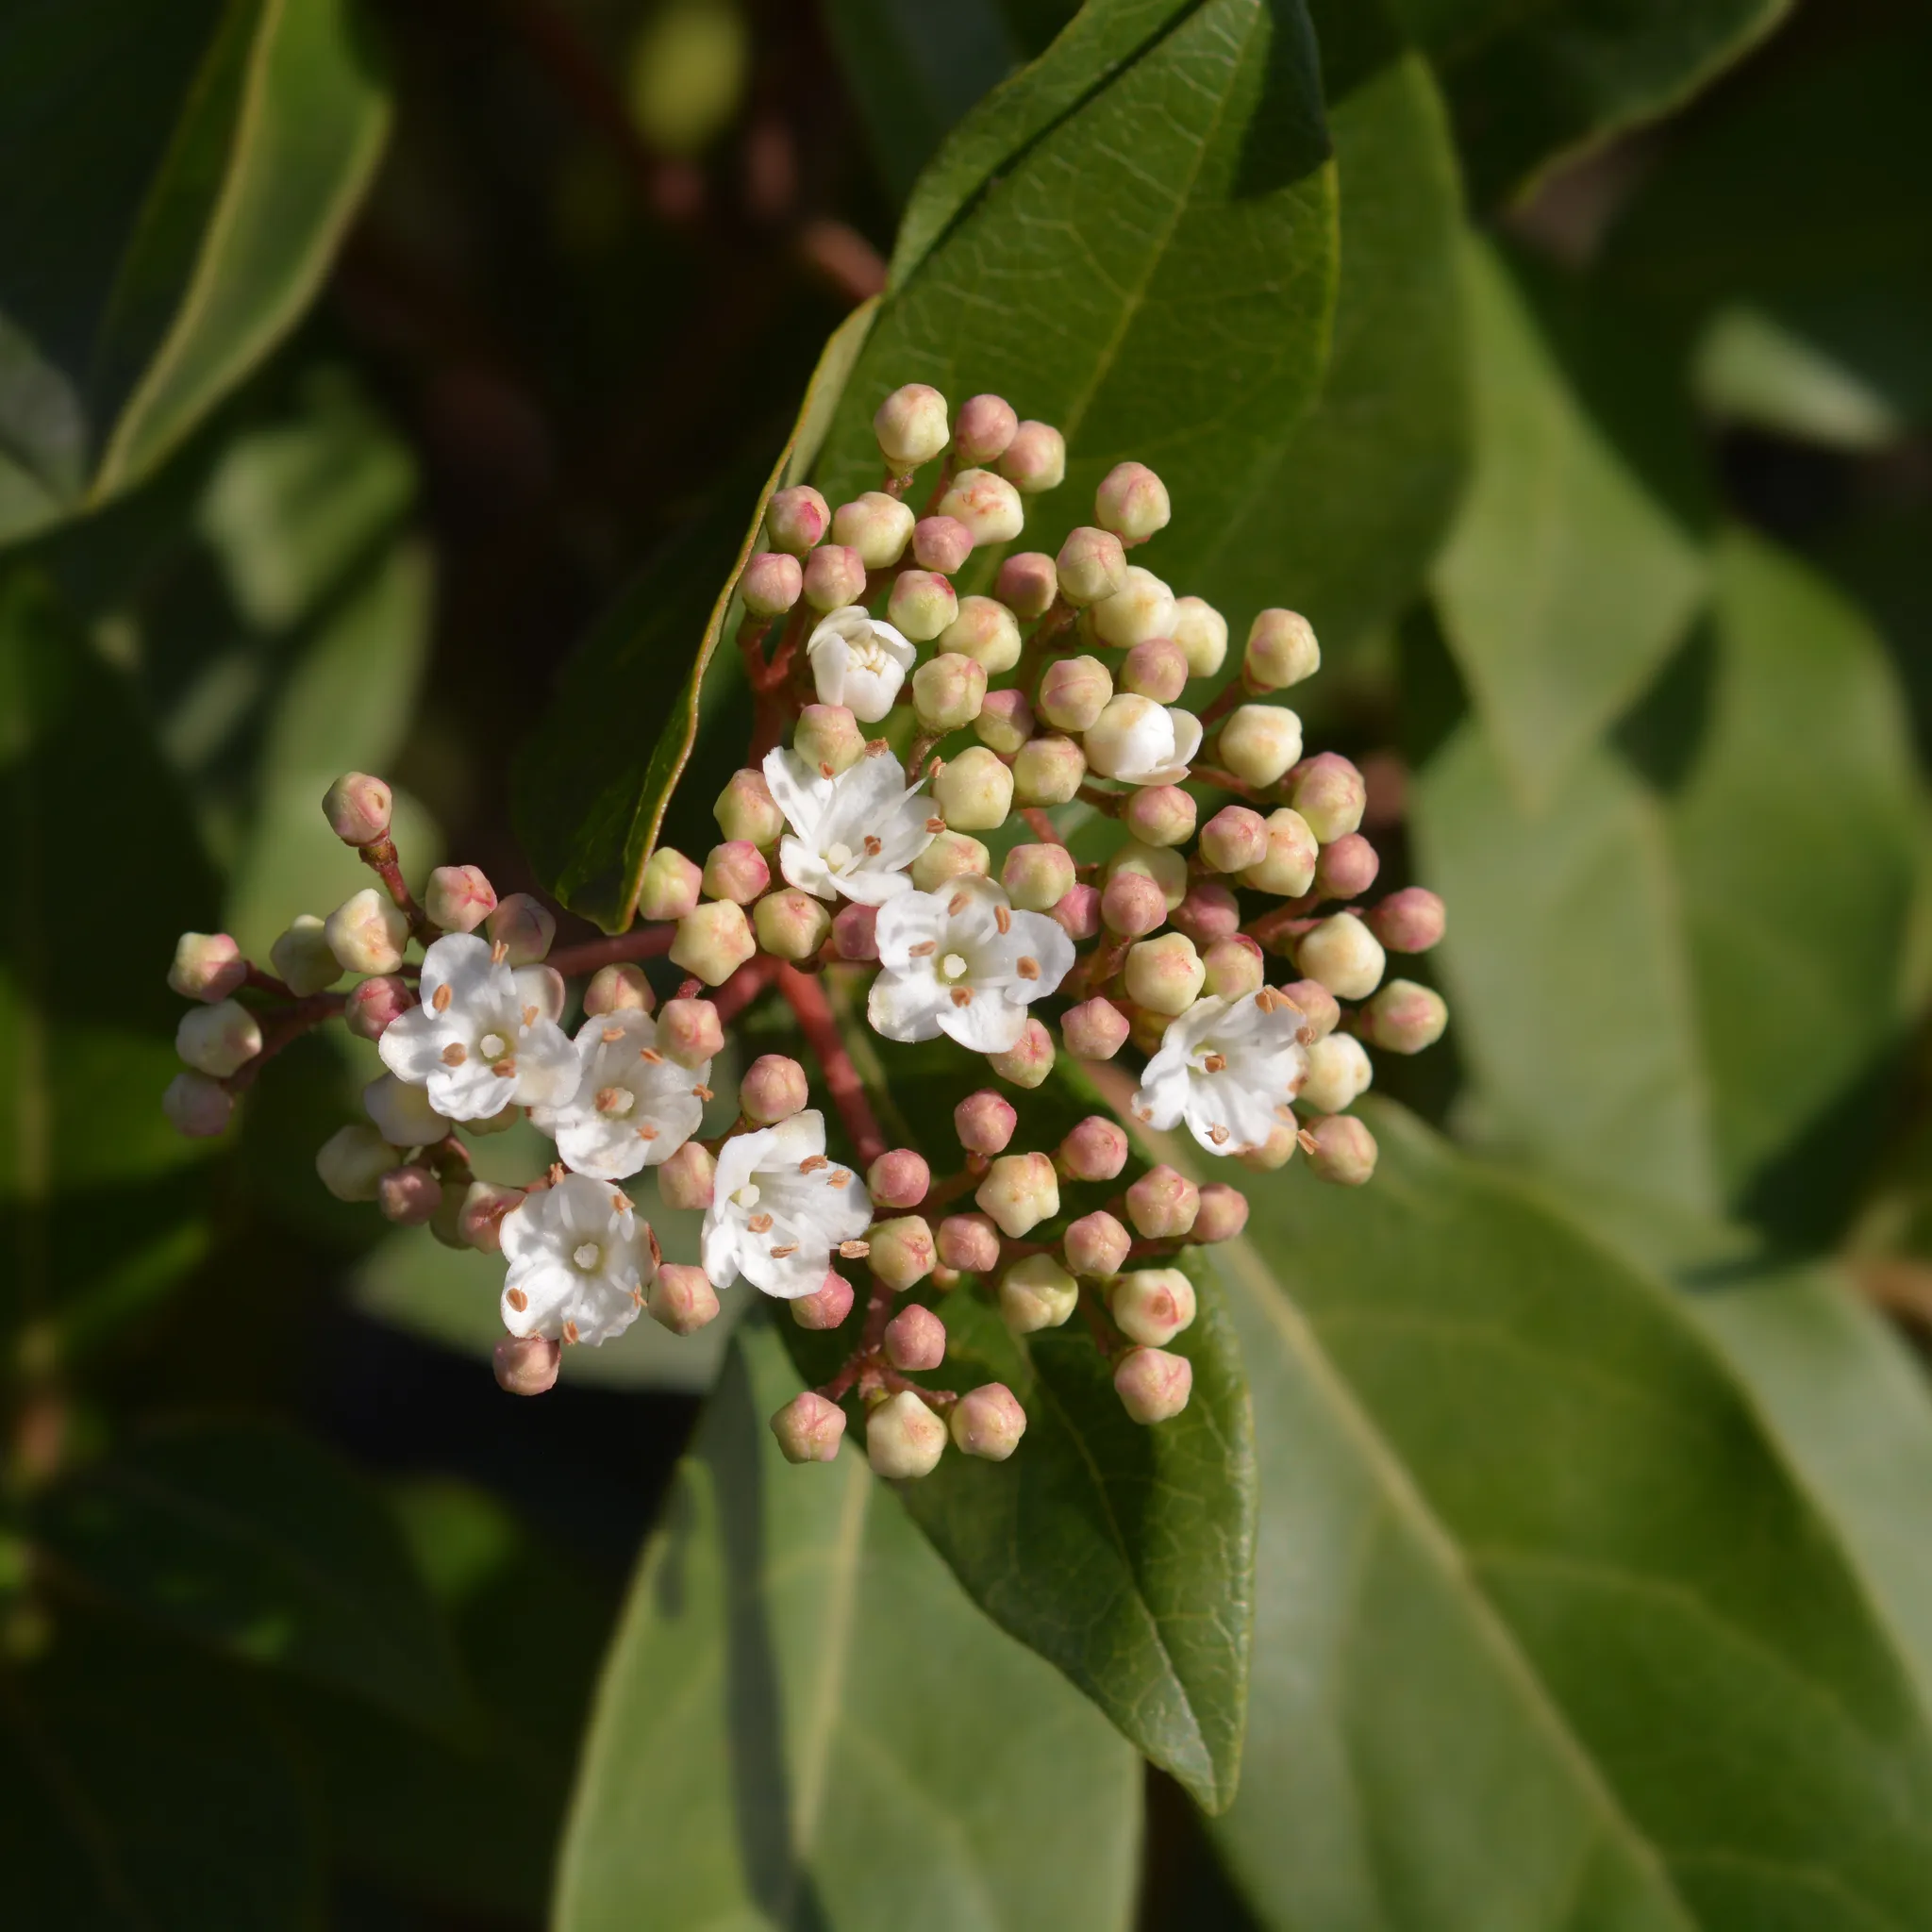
(857, 661)
(1228, 1069)
(779, 1208)
(633, 1106)
(1142, 742)
(962, 962)
(579, 1262)
(854, 833)
(482, 1038)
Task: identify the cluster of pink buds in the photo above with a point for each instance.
(871, 859)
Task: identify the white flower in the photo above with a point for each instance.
(1140, 742)
(779, 1208)
(855, 833)
(482, 1039)
(633, 1108)
(962, 962)
(858, 661)
(1229, 1070)
(579, 1262)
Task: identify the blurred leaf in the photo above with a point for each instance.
(257, 1540)
(1751, 369)
(802, 1722)
(192, 165)
(591, 785)
(1528, 84)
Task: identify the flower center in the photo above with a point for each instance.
(616, 1100)
(747, 1197)
(587, 1254)
(868, 654)
(953, 966)
(837, 857)
(492, 1046)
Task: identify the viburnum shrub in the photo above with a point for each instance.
(1224, 941)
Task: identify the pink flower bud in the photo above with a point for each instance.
(876, 525)
(1276, 1151)
(986, 504)
(834, 577)
(898, 1179)
(526, 1364)
(1037, 1293)
(915, 1339)
(1234, 839)
(1153, 1385)
(1259, 743)
(207, 966)
(358, 807)
(771, 583)
(951, 856)
(352, 1162)
(619, 988)
(1232, 968)
(1074, 692)
(367, 933)
(904, 1439)
(827, 1306)
(1209, 913)
(1038, 876)
(1201, 631)
(1092, 565)
(736, 869)
(1164, 975)
(1155, 668)
(1410, 920)
(854, 934)
(1048, 770)
(1141, 608)
(985, 1121)
(1330, 794)
(715, 940)
(1095, 1030)
(1159, 815)
(458, 898)
(1004, 721)
(1027, 584)
(986, 632)
(1163, 1203)
(1404, 1017)
(986, 426)
(1020, 1191)
(948, 690)
(1344, 1150)
(1287, 869)
(199, 1106)
(912, 427)
(669, 887)
(922, 604)
(1076, 912)
(1344, 955)
(796, 518)
(523, 926)
(988, 1421)
(810, 1428)
(409, 1196)
(481, 1223)
(690, 1032)
(968, 1243)
(219, 1038)
(1096, 1244)
(1094, 1150)
(941, 544)
(791, 925)
(685, 1179)
(1036, 459)
(747, 812)
(1222, 1214)
(773, 1089)
(1131, 904)
(1029, 1061)
(1281, 651)
(1319, 1011)
(1131, 502)
(902, 1251)
(974, 792)
(681, 1298)
(1346, 869)
(1152, 1305)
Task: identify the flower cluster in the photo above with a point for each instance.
(1041, 718)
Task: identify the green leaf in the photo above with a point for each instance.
(1530, 84)
(198, 163)
(592, 786)
(803, 1721)
(259, 1542)
(1530, 1551)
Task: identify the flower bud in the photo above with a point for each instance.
(986, 426)
(684, 1182)
(409, 1196)
(796, 518)
(544, 985)
(1095, 1030)
(1020, 1191)
(773, 1089)
(669, 887)
(1201, 631)
(1222, 1214)
(922, 604)
(1344, 956)
(358, 807)
(1076, 912)
(1281, 651)
(1132, 502)
(1155, 668)
(810, 1428)
(303, 959)
(681, 1298)
(219, 1038)
(948, 690)
(1036, 459)
(941, 544)
(1037, 1293)
(1404, 1017)
(904, 1439)
(876, 525)
(524, 927)
(1232, 968)
(902, 1251)
(985, 631)
(1092, 565)
(619, 988)
(827, 1306)
(716, 939)
(1234, 839)
(745, 812)
(770, 584)
(1097, 1245)
(1163, 1203)
(1207, 913)
(352, 1162)
(1131, 904)
(834, 577)
(1276, 1151)
(1259, 743)
(791, 925)
(1159, 815)
(458, 898)
(1027, 584)
(366, 932)
(854, 932)
(690, 1031)
(988, 1421)
(1152, 1305)
(1287, 869)
(1037, 876)
(1138, 742)
(1328, 792)
(985, 1121)
(951, 856)
(1339, 1073)
(1074, 692)
(1344, 1151)
(1048, 770)
(736, 871)
(446, 1224)
(1346, 869)
(1317, 1005)
(197, 1106)
(1142, 608)
(1164, 975)
(1028, 1061)
(1410, 920)
(898, 1179)
(1153, 1385)
(501, 1121)
(402, 1112)
(207, 966)
(526, 1364)
(827, 738)
(1167, 869)
(968, 1243)
(479, 1221)
(1095, 1149)
(912, 427)
(915, 1339)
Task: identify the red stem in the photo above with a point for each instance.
(643, 943)
(279, 1029)
(814, 1011)
(1041, 825)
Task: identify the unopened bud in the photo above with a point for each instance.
(898, 1179)
(716, 939)
(810, 1428)
(1404, 1017)
(619, 988)
(352, 1162)
(1155, 668)
(1287, 868)
(1281, 651)
(1132, 905)
(1232, 968)
(834, 577)
(1166, 867)
(197, 1106)
(1028, 1061)
(1163, 1203)
(1027, 584)
(1097, 1245)
(1164, 975)
(986, 426)
(876, 525)
(791, 925)
(1142, 608)
(951, 856)
(773, 1089)
(1276, 1151)
(1095, 1149)
(1076, 912)
(1073, 693)
(522, 927)
(904, 1439)
(207, 966)
(988, 1421)
(1347, 868)
(1331, 793)
(1344, 956)
(681, 1298)
(690, 1031)
(357, 808)
(1004, 722)
(1222, 1214)
(770, 584)
(219, 1038)
(948, 690)
(671, 886)
(828, 738)
(366, 932)
(1344, 1151)
(303, 959)
(1319, 1011)
(1048, 770)
(1159, 815)
(1410, 920)
(685, 1180)
(1132, 502)
(827, 1306)
(915, 1339)
(735, 870)
(796, 518)
(458, 898)
(1261, 742)
(409, 1196)
(1152, 1305)
(985, 1121)
(902, 1251)
(1092, 565)
(1095, 1030)
(941, 544)
(747, 812)
(854, 932)
(479, 1221)
(1037, 1293)
(1339, 1073)
(1153, 1385)
(1234, 839)
(985, 631)
(1020, 1191)
(526, 1364)
(912, 427)
(968, 1243)
(402, 1112)
(1037, 876)
(1036, 459)
(1201, 631)
(1207, 913)
(922, 604)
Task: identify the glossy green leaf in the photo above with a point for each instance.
(259, 1542)
(593, 785)
(197, 164)
(803, 1721)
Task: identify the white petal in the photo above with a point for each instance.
(548, 1069)
(804, 868)
(906, 1006)
(719, 1245)
(412, 1045)
(989, 1022)
(1162, 1096)
(469, 1093)
(912, 918)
